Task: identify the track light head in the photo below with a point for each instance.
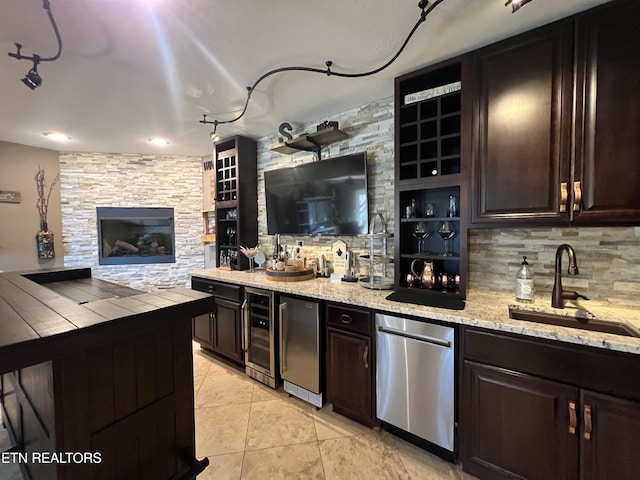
(32, 79)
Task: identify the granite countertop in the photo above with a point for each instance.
(483, 309)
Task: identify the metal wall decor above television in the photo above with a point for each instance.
(327, 197)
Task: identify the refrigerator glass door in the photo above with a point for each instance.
(260, 331)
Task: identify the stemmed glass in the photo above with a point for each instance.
(447, 232)
(420, 232)
(231, 232)
(250, 253)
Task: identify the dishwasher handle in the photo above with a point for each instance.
(415, 336)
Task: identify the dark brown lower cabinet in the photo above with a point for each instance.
(221, 330)
(515, 423)
(203, 329)
(610, 437)
(227, 330)
(518, 425)
(350, 363)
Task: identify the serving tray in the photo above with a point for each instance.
(282, 276)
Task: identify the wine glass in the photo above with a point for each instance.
(250, 253)
(420, 232)
(447, 232)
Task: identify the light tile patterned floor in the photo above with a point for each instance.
(249, 431)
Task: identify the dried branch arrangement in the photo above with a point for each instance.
(43, 200)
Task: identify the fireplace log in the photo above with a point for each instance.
(127, 246)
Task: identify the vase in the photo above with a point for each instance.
(44, 240)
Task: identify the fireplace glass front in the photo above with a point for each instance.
(135, 235)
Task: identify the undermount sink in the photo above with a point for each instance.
(592, 324)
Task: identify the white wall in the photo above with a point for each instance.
(19, 222)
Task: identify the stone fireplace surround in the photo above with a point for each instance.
(89, 180)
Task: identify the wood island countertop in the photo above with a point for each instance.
(50, 314)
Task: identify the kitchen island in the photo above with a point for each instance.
(97, 379)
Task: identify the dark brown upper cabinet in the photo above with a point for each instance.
(522, 127)
(607, 151)
(555, 123)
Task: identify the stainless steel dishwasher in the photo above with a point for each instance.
(415, 379)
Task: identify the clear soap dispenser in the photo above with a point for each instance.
(524, 283)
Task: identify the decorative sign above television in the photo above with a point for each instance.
(432, 92)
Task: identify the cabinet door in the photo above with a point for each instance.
(608, 143)
(610, 435)
(203, 329)
(517, 426)
(521, 128)
(349, 375)
(227, 330)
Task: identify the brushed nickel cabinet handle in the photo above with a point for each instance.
(564, 195)
(365, 356)
(573, 419)
(245, 327)
(346, 319)
(588, 427)
(577, 196)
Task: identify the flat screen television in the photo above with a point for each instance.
(326, 197)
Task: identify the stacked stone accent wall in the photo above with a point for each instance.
(90, 180)
(609, 258)
(370, 129)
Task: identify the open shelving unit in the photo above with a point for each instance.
(310, 142)
(432, 154)
(236, 200)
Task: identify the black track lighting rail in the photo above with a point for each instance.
(33, 79)
(425, 8)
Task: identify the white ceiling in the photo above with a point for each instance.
(134, 69)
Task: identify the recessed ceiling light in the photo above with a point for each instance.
(159, 142)
(57, 136)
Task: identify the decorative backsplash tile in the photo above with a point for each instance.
(608, 260)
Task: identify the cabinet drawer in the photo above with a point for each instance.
(219, 289)
(350, 319)
(597, 369)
